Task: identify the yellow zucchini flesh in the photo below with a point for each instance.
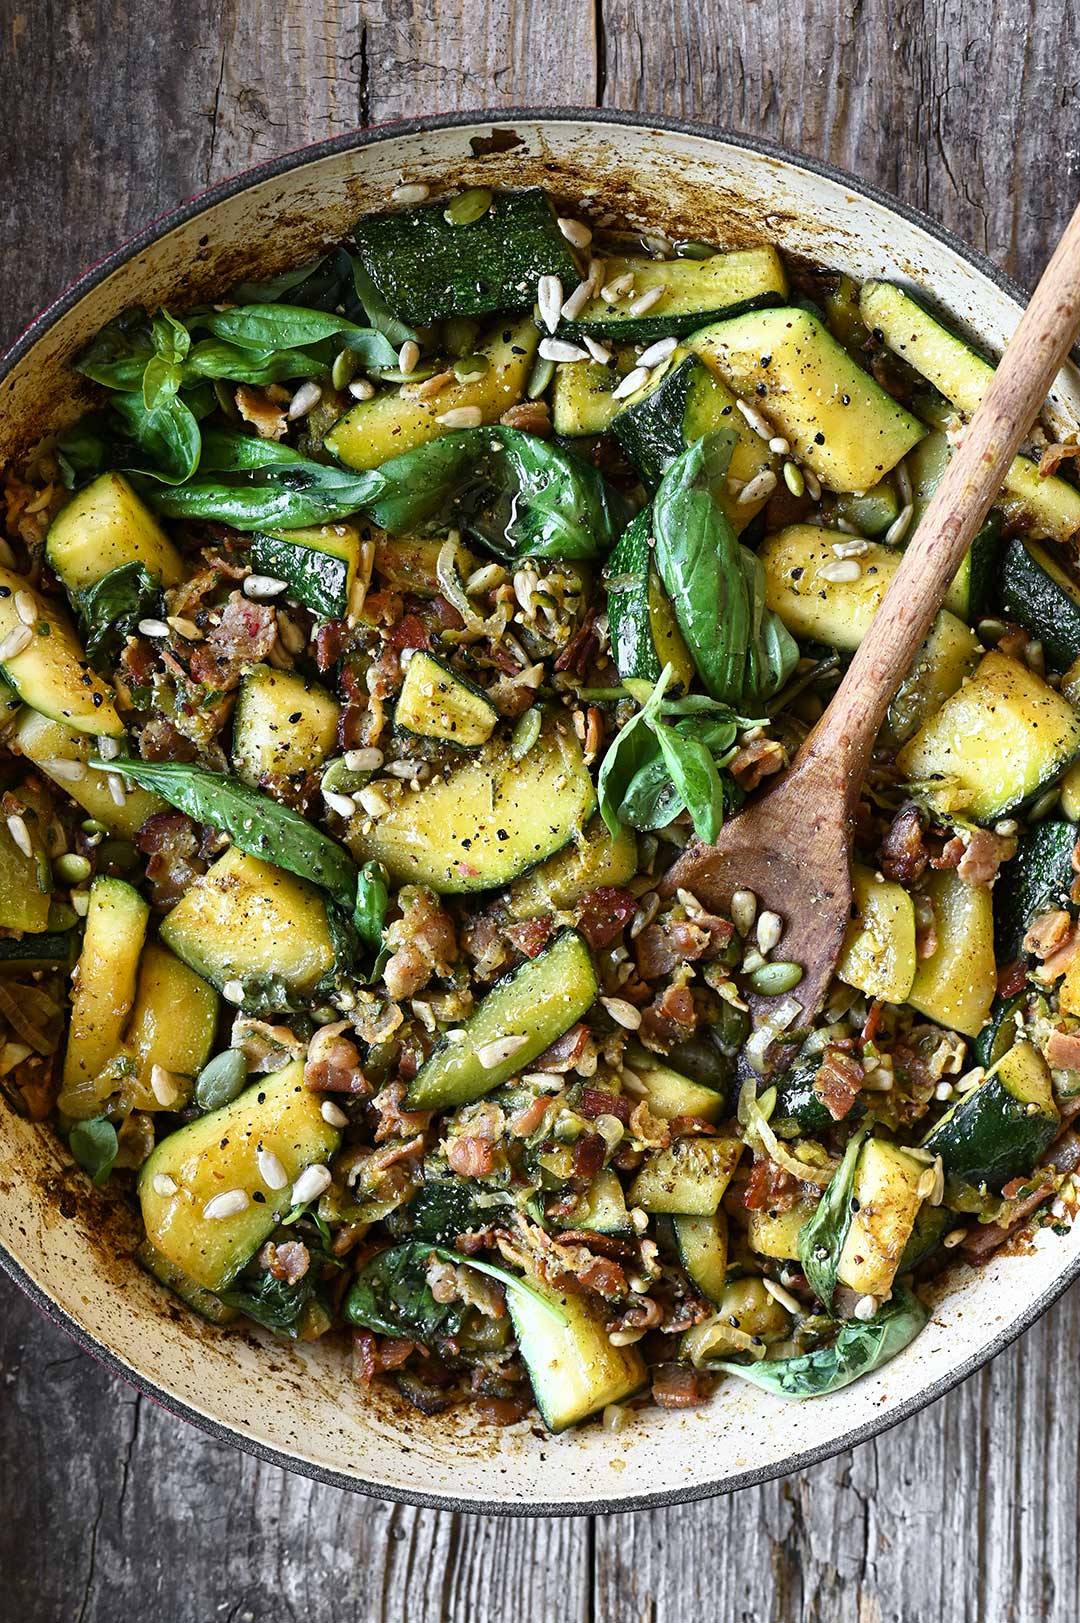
(218, 1154)
(878, 954)
(956, 985)
(173, 1022)
(52, 674)
(596, 859)
(435, 702)
(52, 746)
(688, 1177)
(574, 1368)
(102, 528)
(105, 979)
(391, 423)
(886, 1189)
(282, 724)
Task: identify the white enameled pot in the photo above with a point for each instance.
(71, 1247)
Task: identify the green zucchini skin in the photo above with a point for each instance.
(657, 429)
(1038, 594)
(427, 269)
(319, 580)
(999, 1033)
(644, 633)
(1000, 1129)
(53, 949)
(931, 1226)
(1039, 877)
(799, 1106)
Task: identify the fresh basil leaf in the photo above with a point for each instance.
(651, 799)
(716, 587)
(171, 338)
(377, 310)
(214, 358)
(161, 381)
(117, 357)
(822, 1236)
(94, 1145)
(268, 327)
(633, 748)
(255, 823)
(288, 281)
(696, 779)
(225, 451)
(372, 901)
(271, 493)
(859, 1347)
(165, 441)
(110, 610)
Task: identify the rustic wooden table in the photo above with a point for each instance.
(113, 110)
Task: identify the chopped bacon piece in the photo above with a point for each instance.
(530, 936)
(903, 850)
(288, 1262)
(982, 1241)
(170, 840)
(580, 649)
(244, 635)
(661, 947)
(329, 642)
(393, 1122)
(564, 1052)
(374, 1355)
(603, 1275)
(676, 1386)
(769, 1187)
(950, 856)
(1052, 456)
(1012, 979)
(1048, 932)
(838, 1082)
(527, 1120)
(593, 1103)
(756, 760)
(471, 1157)
(603, 913)
(588, 1156)
(983, 856)
(410, 632)
(671, 1018)
(1063, 1049)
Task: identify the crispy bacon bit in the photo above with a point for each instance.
(594, 1103)
(950, 856)
(1058, 962)
(648, 1129)
(288, 1262)
(268, 416)
(527, 1120)
(423, 943)
(676, 1386)
(161, 740)
(660, 948)
(170, 840)
(756, 760)
(588, 1156)
(374, 1355)
(872, 1023)
(903, 850)
(838, 1082)
(606, 1245)
(603, 913)
(1047, 933)
(769, 1187)
(564, 1052)
(603, 1275)
(1063, 1049)
(329, 643)
(671, 1018)
(581, 647)
(333, 1063)
(471, 1157)
(529, 417)
(410, 632)
(1012, 979)
(1053, 456)
(244, 635)
(530, 936)
(983, 856)
(393, 1122)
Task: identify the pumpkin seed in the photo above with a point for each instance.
(222, 1080)
(467, 207)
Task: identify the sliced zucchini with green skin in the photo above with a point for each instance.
(878, 955)
(956, 985)
(410, 563)
(436, 702)
(245, 920)
(799, 1107)
(1049, 506)
(931, 1226)
(972, 593)
(669, 1093)
(103, 527)
(566, 878)
(51, 949)
(218, 1154)
(1038, 593)
(688, 1177)
(1000, 1032)
(703, 1251)
(583, 397)
(871, 513)
(1001, 1128)
(487, 821)
(319, 565)
(689, 402)
(52, 674)
(574, 1368)
(746, 1309)
(645, 634)
(524, 1013)
(203, 1302)
(1001, 739)
(10, 705)
(949, 655)
(50, 745)
(1038, 878)
(392, 423)
(105, 978)
(25, 881)
(282, 724)
(173, 1023)
(886, 1188)
(427, 268)
(838, 420)
(695, 292)
(602, 1209)
(776, 1234)
(838, 296)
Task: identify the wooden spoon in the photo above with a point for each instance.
(791, 847)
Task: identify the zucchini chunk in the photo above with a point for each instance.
(47, 949)
(973, 591)
(52, 674)
(695, 292)
(886, 1188)
(668, 1093)
(437, 703)
(689, 402)
(556, 885)
(105, 979)
(947, 657)
(1000, 1129)
(25, 880)
(878, 955)
(1000, 1031)
(487, 821)
(51, 745)
(1040, 595)
(871, 513)
(282, 724)
(1050, 506)
(645, 634)
(776, 1234)
(956, 985)
(702, 1243)
(10, 705)
(839, 421)
(203, 1302)
(245, 920)
(745, 1308)
(319, 564)
(574, 1369)
(602, 1209)
(102, 528)
(540, 1000)
(392, 423)
(218, 1154)
(409, 564)
(173, 1022)
(688, 1178)
(1001, 738)
(427, 268)
(583, 397)
(1039, 877)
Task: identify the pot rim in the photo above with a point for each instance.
(166, 222)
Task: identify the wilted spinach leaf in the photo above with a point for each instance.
(859, 1347)
(273, 1303)
(390, 1294)
(110, 610)
(94, 1145)
(822, 1236)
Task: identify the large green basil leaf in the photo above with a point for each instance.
(165, 441)
(859, 1347)
(822, 1236)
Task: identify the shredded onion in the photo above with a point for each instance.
(37, 1019)
(450, 581)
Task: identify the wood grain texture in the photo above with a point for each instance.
(109, 1508)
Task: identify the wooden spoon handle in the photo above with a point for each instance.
(845, 735)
